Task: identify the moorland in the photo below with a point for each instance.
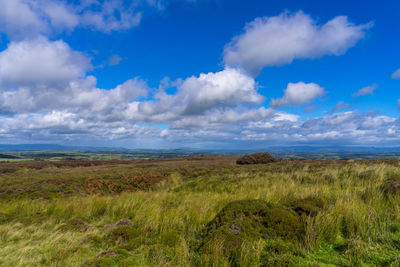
(200, 211)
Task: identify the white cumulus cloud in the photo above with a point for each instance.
(229, 87)
(18, 18)
(297, 94)
(278, 40)
(79, 96)
(198, 94)
(40, 61)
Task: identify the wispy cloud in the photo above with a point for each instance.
(114, 60)
(396, 75)
(310, 108)
(340, 106)
(22, 19)
(368, 90)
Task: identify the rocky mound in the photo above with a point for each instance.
(247, 221)
(122, 222)
(256, 158)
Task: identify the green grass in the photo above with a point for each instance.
(50, 217)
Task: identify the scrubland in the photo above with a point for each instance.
(199, 211)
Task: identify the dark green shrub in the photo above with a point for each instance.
(123, 234)
(309, 206)
(391, 186)
(256, 158)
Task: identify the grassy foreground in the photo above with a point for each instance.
(64, 214)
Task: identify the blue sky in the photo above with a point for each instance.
(200, 73)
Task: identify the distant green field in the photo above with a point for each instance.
(15, 156)
(199, 211)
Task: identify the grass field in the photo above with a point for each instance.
(199, 211)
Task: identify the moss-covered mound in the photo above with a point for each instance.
(391, 186)
(256, 158)
(309, 206)
(247, 221)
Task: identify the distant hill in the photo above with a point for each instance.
(5, 156)
(333, 149)
(31, 147)
(52, 147)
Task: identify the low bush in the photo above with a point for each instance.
(256, 158)
(309, 206)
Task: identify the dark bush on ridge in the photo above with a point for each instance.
(256, 158)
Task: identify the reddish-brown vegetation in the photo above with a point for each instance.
(123, 183)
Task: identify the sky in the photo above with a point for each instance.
(215, 74)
